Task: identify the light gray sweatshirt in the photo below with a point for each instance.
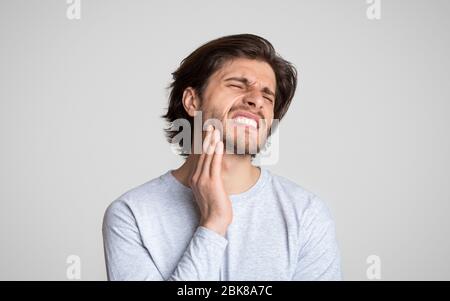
(279, 231)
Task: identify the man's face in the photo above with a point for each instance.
(241, 96)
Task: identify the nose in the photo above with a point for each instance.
(254, 99)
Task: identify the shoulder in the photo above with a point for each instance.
(125, 208)
(310, 206)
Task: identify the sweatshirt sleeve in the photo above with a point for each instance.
(319, 257)
(127, 258)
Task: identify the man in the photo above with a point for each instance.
(218, 217)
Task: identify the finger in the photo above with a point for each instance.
(208, 137)
(216, 165)
(206, 142)
(210, 153)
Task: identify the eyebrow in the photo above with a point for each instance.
(246, 82)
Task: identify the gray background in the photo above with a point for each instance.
(368, 129)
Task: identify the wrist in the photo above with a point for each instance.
(216, 226)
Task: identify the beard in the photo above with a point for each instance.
(242, 140)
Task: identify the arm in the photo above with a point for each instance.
(127, 258)
(319, 257)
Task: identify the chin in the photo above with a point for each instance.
(245, 148)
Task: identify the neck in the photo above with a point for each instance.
(238, 174)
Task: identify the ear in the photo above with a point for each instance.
(191, 102)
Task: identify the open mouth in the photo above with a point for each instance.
(247, 122)
(246, 119)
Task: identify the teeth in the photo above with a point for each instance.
(246, 121)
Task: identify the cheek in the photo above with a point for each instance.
(220, 102)
(230, 99)
(217, 112)
(224, 106)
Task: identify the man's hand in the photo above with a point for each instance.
(207, 185)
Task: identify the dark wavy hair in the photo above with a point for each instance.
(195, 70)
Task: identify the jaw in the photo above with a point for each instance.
(241, 140)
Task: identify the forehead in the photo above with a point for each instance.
(253, 70)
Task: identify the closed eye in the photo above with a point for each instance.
(242, 87)
(268, 98)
